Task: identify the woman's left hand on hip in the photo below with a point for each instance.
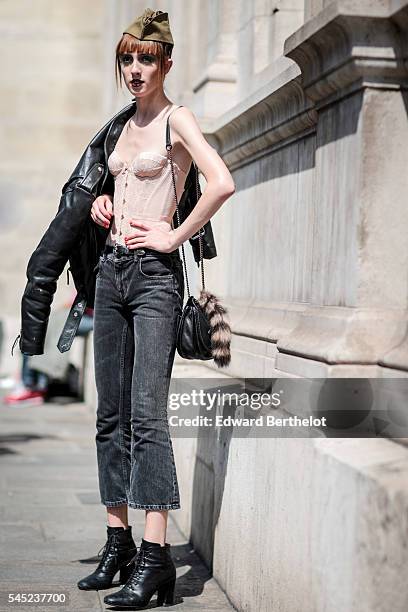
(150, 236)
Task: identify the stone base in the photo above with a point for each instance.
(321, 523)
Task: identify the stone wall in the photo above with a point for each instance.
(313, 267)
(306, 103)
(51, 105)
(319, 213)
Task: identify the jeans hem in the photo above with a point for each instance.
(112, 504)
(174, 506)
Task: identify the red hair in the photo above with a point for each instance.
(130, 44)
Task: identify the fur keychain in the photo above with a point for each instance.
(220, 328)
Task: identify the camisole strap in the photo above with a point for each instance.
(168, 141)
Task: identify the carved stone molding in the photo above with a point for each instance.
(347, 47)
(329, 334)
(397, 357)
(351, 45)
(344, 335)
(279, 112)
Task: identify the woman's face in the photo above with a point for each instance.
(140, 72)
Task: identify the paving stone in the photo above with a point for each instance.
(52, 524)
(9, 532)
(74, 530)
(41, 572)
(87, 498)
(54, 551)
(85, 483)
(39, 497)
(18, 512)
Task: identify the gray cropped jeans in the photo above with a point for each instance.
(138, 300)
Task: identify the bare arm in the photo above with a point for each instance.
(220, 185)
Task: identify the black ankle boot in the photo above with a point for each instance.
(119, 551)
(154, 571)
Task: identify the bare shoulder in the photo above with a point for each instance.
(189, 135)
(181, 114)
(185, 124)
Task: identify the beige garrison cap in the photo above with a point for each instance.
(152, 25)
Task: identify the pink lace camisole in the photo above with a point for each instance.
(143, 191)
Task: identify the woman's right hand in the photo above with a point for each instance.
(102, 210)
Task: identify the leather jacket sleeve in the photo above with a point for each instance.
(49, 258)
(59, 242)
(72, 237)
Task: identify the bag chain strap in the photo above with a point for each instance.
(169, 148)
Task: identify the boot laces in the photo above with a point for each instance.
(140, 559)
(106, 548)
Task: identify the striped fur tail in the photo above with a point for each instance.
(220, 328)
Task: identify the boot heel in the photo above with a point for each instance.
(165, 593)
(125, 572)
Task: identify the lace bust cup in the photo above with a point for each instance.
(143, 185)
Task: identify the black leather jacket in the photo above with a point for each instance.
(73, 235)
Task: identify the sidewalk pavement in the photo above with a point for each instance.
(52, 523)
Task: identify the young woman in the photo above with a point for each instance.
(139, 295)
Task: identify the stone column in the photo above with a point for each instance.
(263, 28)
(51, 102)
(215, 87)
(353, 62)
(312, 7)
(285, 17)
(186, 22)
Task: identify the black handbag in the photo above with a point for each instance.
(203, 331)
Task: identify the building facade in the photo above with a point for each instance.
(306, 101)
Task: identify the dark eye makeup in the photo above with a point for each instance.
(126, 59)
